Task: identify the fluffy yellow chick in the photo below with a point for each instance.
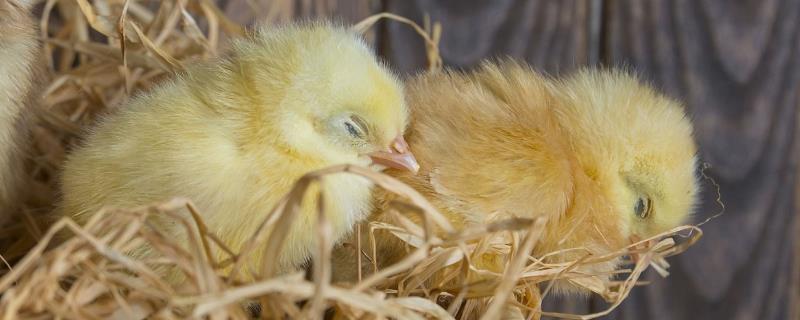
(605, 157)
(19, 61)
(233, 135)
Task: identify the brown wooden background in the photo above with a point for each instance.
(735, 64)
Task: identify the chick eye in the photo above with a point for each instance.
(351, 129)
(642, 207)
(355, 126)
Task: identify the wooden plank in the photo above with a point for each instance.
(285, 11)
(736, 67)
(347, 11)
(553, 35)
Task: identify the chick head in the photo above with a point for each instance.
(336, 103)
(635, 145)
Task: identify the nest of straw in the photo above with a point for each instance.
(105, 51)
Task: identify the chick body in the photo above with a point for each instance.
(504, 141)
(234, 135)
(20, 52)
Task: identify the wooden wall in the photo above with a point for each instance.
(734, 63)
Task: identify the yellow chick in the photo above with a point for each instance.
(233, 135)
(607, 159)
(20, 55)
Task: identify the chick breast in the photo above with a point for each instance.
(224, 134)
(20, 52)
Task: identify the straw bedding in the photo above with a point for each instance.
(105, 51)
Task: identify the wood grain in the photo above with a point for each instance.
(553, 35)
(735, 65)
(252, 11)
(348, 12)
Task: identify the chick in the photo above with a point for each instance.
(233, 135)
(605, 158)
(20, 51)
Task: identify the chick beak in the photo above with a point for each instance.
(399, 156)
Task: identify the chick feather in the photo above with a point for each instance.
(234, 134)
(20, 52)
(604, 157)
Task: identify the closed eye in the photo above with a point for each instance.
(351, 129)
(356, 127)
(361, 124)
